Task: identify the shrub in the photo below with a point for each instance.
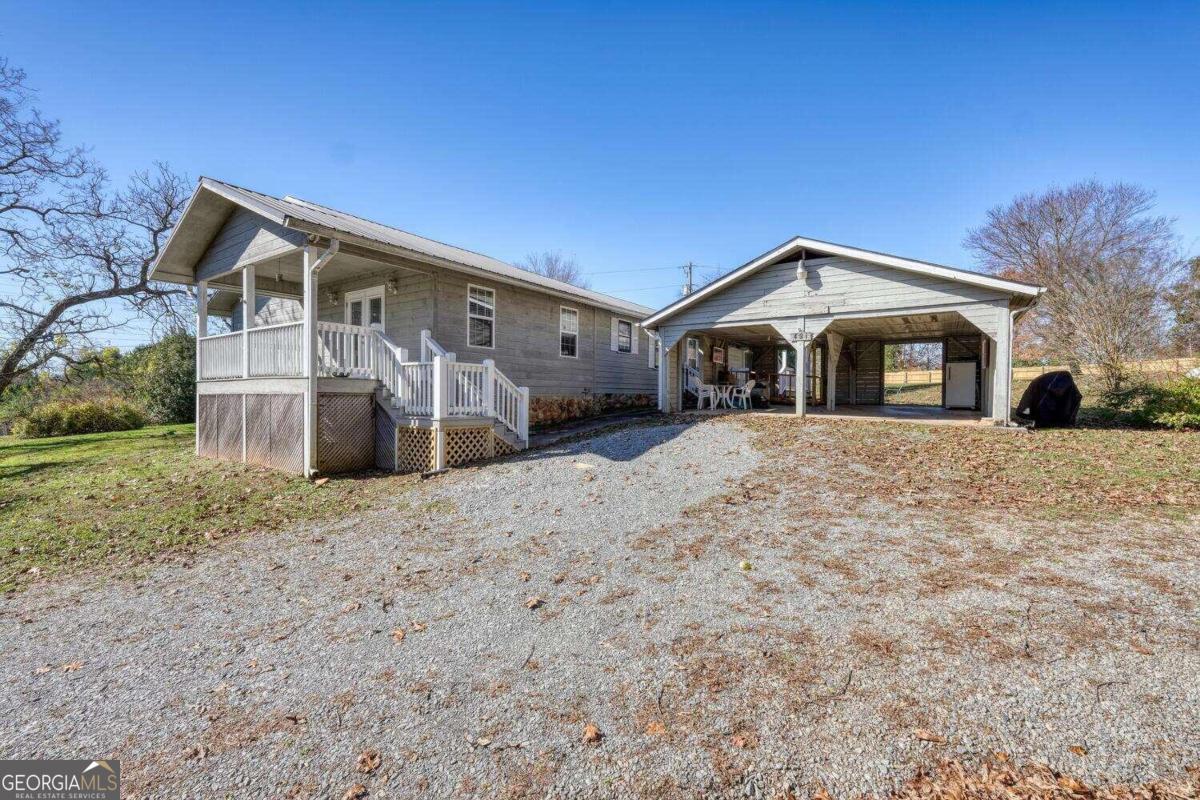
(66, 418)
(1170, 404)
(163, 375)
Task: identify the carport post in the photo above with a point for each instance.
(801, 371)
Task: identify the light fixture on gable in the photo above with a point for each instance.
(393, 285)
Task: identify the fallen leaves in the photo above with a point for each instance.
(535, 601)
(398, 635)
(592, 734)
(355, 792)
(368, 761)
(656, 728)
(926, 735)
(1078, 750)
(72, 666)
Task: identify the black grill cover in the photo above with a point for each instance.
(1051, 401)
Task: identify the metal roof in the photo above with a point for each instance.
(305, 215)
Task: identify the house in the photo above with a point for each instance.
(368, 345)
(826, 312)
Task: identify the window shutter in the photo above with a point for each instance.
(613, 343)
(634, 335)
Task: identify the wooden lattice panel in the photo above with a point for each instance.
(464, 445)
(414, 450)
(220, 425)
(503, 448)
(275, 431)
(345, 432)
(385, 440)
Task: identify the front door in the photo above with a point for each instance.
(365, 307)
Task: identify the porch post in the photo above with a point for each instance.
(663, 374)
(834, 348)
(801, 372)
(1002, 369)
(489, 387)
(313, 264)
(441, 408)
(248, 306)
(310, 360)
(201, 332)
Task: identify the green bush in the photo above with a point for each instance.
(64, 418)
(1171, 404)
(164, 378)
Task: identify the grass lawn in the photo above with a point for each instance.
(914, 394)
(114, 499)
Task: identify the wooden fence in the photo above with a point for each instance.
(918, 377)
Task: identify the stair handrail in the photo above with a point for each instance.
(431, 348)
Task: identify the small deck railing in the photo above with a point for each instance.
(277, 350)
(437, 387)
(220, 356)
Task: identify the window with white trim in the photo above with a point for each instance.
(568, 332)
(692, 356)
(654, 350)
(624, 336)
(481, 316)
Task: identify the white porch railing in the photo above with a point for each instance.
(221, 356)
(430, 348)
(510, 405)
(345, 351)
(437, 387)
(277, 350)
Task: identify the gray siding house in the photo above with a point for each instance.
(818, 315)
(371, 345)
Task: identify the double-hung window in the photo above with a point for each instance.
(624, 336)
(481, 316)
(568, 332)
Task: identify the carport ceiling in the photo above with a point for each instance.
(908, 326)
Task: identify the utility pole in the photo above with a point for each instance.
(687, 278)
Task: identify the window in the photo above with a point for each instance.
(568, 332)
(693, 354)
(624, 336)
(654, 353)
(481, 317)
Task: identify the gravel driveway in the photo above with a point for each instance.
(724, 638)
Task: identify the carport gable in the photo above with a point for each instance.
(810, 278)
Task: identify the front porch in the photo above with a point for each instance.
(316, 395)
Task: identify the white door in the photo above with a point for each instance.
(960, 384)
(365, 307)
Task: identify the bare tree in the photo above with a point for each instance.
(1105, 260)
(553, 264)
(71, 250)
(1184, 301)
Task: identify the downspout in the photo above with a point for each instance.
(311, 268)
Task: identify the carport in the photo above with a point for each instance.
(826, 312)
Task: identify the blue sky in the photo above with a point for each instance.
(637, 136)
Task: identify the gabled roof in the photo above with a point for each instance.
(309, 217)
(798, 244)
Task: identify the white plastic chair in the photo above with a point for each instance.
(703, 391)
(741, 395)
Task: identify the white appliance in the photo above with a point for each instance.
(960, 384)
